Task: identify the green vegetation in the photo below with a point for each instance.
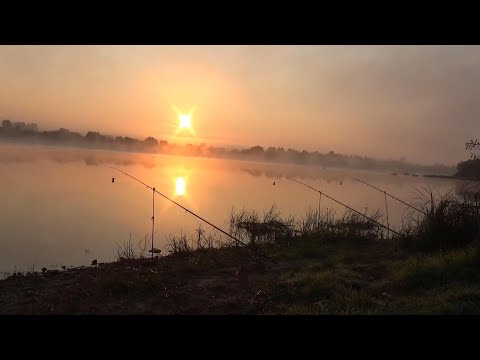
(448, 223)
(323, 265)
(469, 169)
(433, 267)
(372, 277)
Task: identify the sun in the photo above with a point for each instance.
(184, 121)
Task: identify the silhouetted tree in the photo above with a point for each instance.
(150, 142)
(256, 150)
(271, 153)
(32, 127)
(92, 136)
(473, 145)
(6, 124)
(19, 126)
(469, 169)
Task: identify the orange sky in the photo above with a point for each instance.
(420, 102)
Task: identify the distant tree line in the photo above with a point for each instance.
(30, 133)
(470, 169)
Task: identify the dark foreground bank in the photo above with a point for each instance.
(328, 265)
(312, 276)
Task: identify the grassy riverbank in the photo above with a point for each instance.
(310, 277)
(433, 267)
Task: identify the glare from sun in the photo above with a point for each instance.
(180, 186)
(184, 121)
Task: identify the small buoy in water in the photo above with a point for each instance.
(274, 183)
(340, 183)
(113, 180)
(94, 262)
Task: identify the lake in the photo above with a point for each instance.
(59, 205)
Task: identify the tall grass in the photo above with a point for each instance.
(445, 222)
(126, 250)
(326, 224)
(179, 244)
(129, 250)
(198, 241)
(450, 221)
(249, 226)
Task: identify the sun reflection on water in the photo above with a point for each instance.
(180, 186)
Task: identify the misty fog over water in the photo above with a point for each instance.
(60, 207)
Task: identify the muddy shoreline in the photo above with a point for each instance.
(214, 281)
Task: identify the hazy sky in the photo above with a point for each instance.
(421, 102)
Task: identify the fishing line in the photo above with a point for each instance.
(197, 216)
(348, 207)
(393, 197)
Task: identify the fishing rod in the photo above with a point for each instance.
(348, 207)
(197, 216)
(393, 197)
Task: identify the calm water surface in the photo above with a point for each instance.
(60, 207)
